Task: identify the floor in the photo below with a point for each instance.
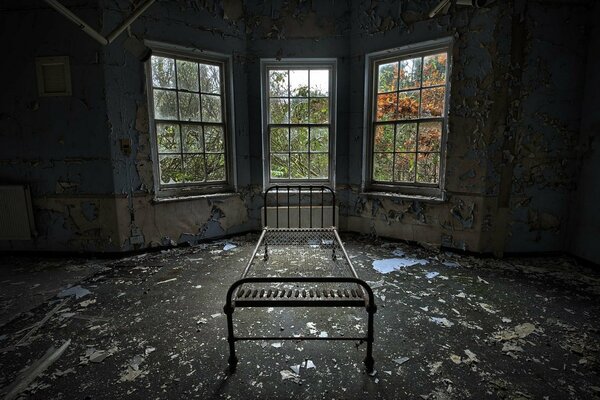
(448, 326)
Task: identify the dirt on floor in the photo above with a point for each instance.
(448, 326)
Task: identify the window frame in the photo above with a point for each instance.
(372, 61)
(200, 56)
(298, 63)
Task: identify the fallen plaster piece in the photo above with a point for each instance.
(401, 360)
(518, 332)
(289, 375)
(488, 308)
(451, 264)
(229, 246)
(86, 303)
(455, 359)
(511, 347)
(471, 355)
(35, 370)
(442, 321)
(76, 291)
(388, 265)
(431, 275)
(323, 334)
(398, 253)
(165, 281)
(216, 315)
(277, 345)
(481, 280)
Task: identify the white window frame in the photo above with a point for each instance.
(298, 63)
(408, 189)
(226, 63)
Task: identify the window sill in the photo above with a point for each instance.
(412, 197)
(173, 199)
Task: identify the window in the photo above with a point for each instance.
(189, 104)
(299, 114)
(407, 122)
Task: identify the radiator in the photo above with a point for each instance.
(16, 213)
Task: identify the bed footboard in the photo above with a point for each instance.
(362, 296)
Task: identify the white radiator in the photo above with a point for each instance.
(16, 213)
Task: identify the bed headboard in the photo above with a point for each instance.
(299, 203)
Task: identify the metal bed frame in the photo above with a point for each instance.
(323, 291)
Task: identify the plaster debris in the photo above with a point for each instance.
(86, 303)
(277, 345)
(451, 264)
(166, 281)
(455, 359)
(518, 332)
(431, 275)
(76, 291)
(471, 356)
(388, 265)
(216, 315)
(398, 253)
(323, 334)
(229, 246)
(442, 321)
(481, 280)
(289, 375)
(488, 308)
(401, 360)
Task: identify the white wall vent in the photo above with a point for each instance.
(16, 213)
(53, 76)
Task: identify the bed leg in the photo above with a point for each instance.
(369, 360)
(232, 361)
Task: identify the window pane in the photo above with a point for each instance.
(279, 139)
(319, 139)
(406, 137)
(210, 78)
(319, 165)
(405, 167)
(382, 167)
(299, 139)
(192, 138)
(278, 111)
(430, 136)
(387, 106)
(410, 73)
(170, 169)
(299, 111)
(163, 72)
(299, 166)
(387, 80)
(319, 111)
(211, 108)
(168, 139)
(279, 166)
(428, 166)
(319, 83)
(187, 75)
(193, 168)
(214, 139)
(278, 83)
(215, 167)
(165, 104)
(189, 106)
(434, 69)
(384, 138)
(432, 102)
(299, 82)
(408, 104)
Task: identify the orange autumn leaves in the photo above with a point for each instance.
(411, 89)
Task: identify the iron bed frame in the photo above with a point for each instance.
(359, 294)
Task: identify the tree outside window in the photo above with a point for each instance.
(299, 117)
(189, 121)
(409, 111)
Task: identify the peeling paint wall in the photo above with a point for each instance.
(516, 88)
(584, 233)
(514, 137)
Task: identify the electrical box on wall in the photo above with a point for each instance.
(53, 76)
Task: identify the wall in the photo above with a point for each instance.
(516, 86)
(584, 231)
(66, 161)
(514, 121)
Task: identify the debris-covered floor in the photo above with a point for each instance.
(152, 326)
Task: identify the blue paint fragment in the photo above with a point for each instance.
(392, 264)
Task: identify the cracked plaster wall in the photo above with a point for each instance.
(516, 125)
